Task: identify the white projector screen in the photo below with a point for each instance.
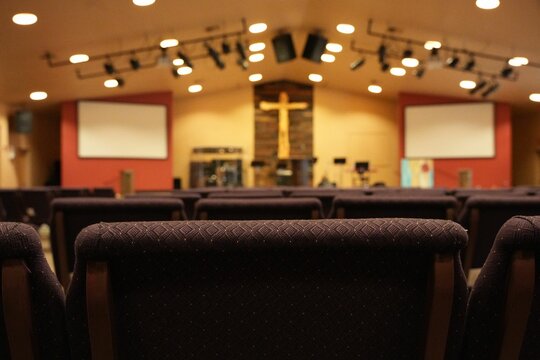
(122, 130)
(450, 131)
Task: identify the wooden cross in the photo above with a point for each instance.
(283, 106)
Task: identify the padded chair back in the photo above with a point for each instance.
(366, 289)
(37, 204)
(32, 312)
(326, 197)
(71, 192)
(103, 192)
(13, 205)
(188, 198)
(254, 194)
(503, 317)
(258, 209)
(71, 215)
(483, 216)
(426, 207)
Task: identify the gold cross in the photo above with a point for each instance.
(283, 106)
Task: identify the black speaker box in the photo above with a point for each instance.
(284, 48)
(315, 47)
(23, 121)
(177, 183)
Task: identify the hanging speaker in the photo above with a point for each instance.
(315, 47)
(23, 121)
(284, 47)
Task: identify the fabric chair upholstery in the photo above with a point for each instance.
(254, 194)
(32, 320)
(188, 198)
(71, 215)
(265, 289)
(258, 209)
(13, 205)
(492, 321)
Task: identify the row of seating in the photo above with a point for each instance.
(483, 216)
(342, 288)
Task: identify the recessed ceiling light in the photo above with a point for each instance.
(257, 47)
(315, 77)
(257, 28)
(184, 70)
(256, 57)
(467, 84)
(345, 28)
(329, 58)
(518, 61)
(78, 58)
(167, 43)
(397, 71)
(410, 62)
(143, 2)
(110, 83)
(24, 19)
(195, 88)
(432, 44)
(535, 97)
(488, 4)
(38, 95)
(334, 47)
(373, 88)
(255, 77)
(178, 62)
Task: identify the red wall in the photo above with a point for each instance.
(148, 174)
(487, 173)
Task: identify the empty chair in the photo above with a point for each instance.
(326, 196)
(253, 194)
(503, 317)
(258, 209)
(463, 194)
(13, 205)
(71, 215)
(322, 289)
(103, 192)
(37, 204)
(427, 207)
(188, 198)
(71, 192)
(483, 216)
(32, 315)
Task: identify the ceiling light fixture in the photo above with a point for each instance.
(507, 71)
(38, 95)
(467, 84)
(255, 77)
(452, 61)
(374, 88)
(186, 60)
(471, 63)
(167, 43)
(381, 52)
(345, 28)
(195, 88)
(385, 67)
(334, 47)
(419, 72)
(432, 44)
(257, 28)
(225, 46)
(78, 58)
(109, 68)
(534, 97)
(258, 57)
(328, 58)
(479, 86)
(184, 70)
(315, 77)
(178, 62)
(242, 58)
(24, 19)
(215, 56)
(143, 2)
(488, 4)
(357, 64)
(398, 71)
(518, 61)
(134, 63)
(491, 89)
(256, 47)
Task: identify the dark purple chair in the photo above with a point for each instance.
(188, 198)
(71, 192)
(253, 194)
(484, 215)
(321, 289)
(503, 316)
(37, 204)
(32, 312)
(107, 192)
(71, 215)
(13, 205)
(426, 207)
(326, 197)
(258, 209)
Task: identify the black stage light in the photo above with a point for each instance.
(507, 71)
(120, 81)
(357, 64)
(382, 53)
(419, 73)
(452, 61)
(185, 58)
(408, 53)
(469, 66)
(315, 47)
(283, 47)
(135, 63)
(479, 86)
(109, 68)
(491, 89)
(385, 67)
(215, 56)
(225, 46)
(174, 72)
(242, 57)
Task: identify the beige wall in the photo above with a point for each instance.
(8, 176)
(223, 119)
(345, 125)
(358, 128)
(526, 148)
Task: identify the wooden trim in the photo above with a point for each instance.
(63, 265)
(17, 308)
(474, 220)
(340, 213)
(519, 297)
(99, 311)
(441, 299)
